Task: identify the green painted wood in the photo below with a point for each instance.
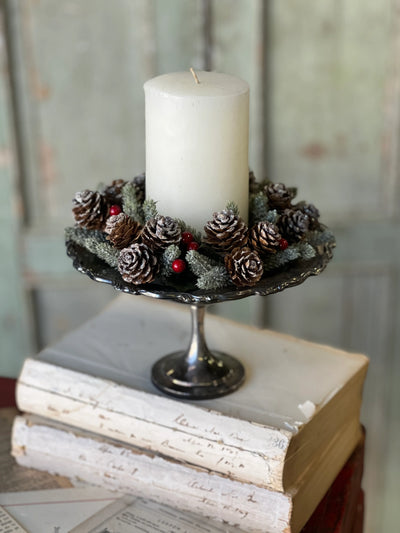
(368, 243)
(87, 63)
(178, 35)
(328, 68)
(388, 498)
(15, 338)
(237, 39)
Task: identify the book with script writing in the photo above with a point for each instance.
(57, 448)
(297, 397)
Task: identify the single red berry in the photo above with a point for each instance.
(178, 266)
(193, 245)
(187, 237)
(115, 210)
(283, 244)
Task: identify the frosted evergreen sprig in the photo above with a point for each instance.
(214, 279)
(105, 251)
(130, 203)
(169, 255)
(272, 216)
(149, 209)
(281, 258)
(210, 274)
(233, 207)
(198, 263)
(258, 208)
(79, 234)
(94, 242)
(320, 238)
(306, 250)
(302, 250)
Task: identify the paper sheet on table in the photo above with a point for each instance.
(54, 511)
(134, 515)
(8, 524)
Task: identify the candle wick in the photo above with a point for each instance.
(196, 79)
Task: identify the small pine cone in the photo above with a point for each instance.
(293, 224)
(89, 209)
(137, 264)
(265, 237)
(160, 232)
(312, 212)
(113, 192)
(279, 197)
(112, 222)
(122, 230)
(244, 267)
(226, 231)
(140, 186)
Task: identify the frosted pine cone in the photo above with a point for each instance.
(265, 237)
(279, 197)
(113, 221)
(122, 230)
(89, 209)
(293, 224)
(113, 192)
(312, 212)
(244, 267)
(137, 264)
(160, 232)
(226, 231)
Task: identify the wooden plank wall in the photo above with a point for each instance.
(324, 116)
(15, 330)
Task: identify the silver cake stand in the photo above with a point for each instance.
(198, 373)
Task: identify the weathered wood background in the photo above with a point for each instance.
(325, 81)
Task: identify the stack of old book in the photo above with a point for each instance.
(260, 459)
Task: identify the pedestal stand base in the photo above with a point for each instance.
(213, 376)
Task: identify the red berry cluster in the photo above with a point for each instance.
(188, 243)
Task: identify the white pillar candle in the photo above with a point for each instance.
(197, 144)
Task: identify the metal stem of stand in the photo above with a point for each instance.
(197, 373)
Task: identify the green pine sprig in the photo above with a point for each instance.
(210, 274)
(94, 242)
(169, 255)
(130, 203)
(149, 209)
(320, 238)
(233, 207)
(258, 208)
(214, 279)
(198, 263)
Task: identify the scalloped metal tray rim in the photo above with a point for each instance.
(294, 274)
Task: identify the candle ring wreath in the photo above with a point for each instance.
(119, 226)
